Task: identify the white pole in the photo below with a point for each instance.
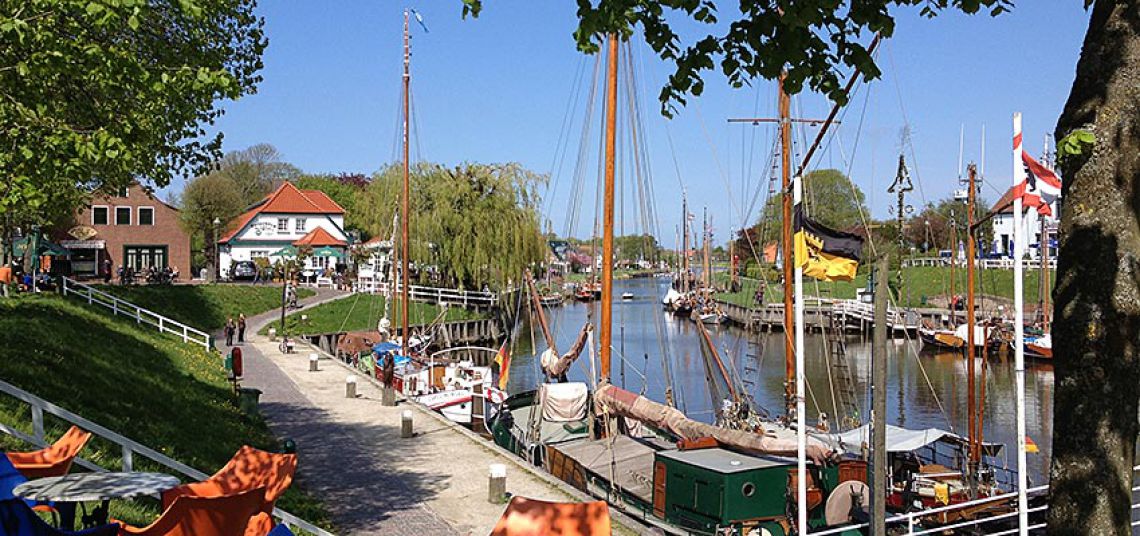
(1019, 330)
(801, 424)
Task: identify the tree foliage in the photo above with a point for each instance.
(255, 171)
(636, 247)
(477, 223)
(814, 41)
(829, 198)
(101, 93)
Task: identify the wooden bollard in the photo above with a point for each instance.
(497, 484)
(406, 424)
(313, 362)
(350, 386)
(387, 396)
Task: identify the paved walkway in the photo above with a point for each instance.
(351, 455)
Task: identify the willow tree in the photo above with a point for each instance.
(477, 224)
(1097, 297)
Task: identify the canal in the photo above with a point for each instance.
(924, 390)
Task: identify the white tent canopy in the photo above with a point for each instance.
(902, 439)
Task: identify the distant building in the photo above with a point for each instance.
(1003, 228)
(375, 267)
(287, 217)
(132, 228)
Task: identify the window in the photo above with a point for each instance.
(300, 225)
(124, 192)
(98, 215)
(259, 253)
(122, 215)
(282, 225)
(139, 257)
(146, 215)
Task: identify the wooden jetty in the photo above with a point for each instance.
(855, 316)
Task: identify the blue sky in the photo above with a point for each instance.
(495, 89)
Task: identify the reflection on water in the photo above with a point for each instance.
(924, 390)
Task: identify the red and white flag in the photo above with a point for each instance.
(1041, 185)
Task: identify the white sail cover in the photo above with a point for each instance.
(563, 402)
(963, 332)
(900, 439)
(671, 296)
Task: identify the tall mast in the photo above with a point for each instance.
(608, 208)
(707, 266)
(953, 261)
(1047, 159)
(971, 171)
(684, 243)
(404, 201)
(786, 181)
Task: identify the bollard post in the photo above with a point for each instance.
(406, 424)
(387, 396)
(350, 386)
(313, 362)
(273, 334)
(497, 485)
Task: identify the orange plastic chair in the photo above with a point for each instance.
(54, 460)
(203, 516)
(248, 469)
(532, 517)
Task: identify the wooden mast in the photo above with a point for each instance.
(975, 457)
(539, 312)
(404, 201)
(684, 243)
(786, 182)
(953, 261)
(606, 334)
(706, 266)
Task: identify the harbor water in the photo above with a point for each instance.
(924, 389)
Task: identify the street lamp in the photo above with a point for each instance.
(215, 258)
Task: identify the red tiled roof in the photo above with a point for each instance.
(286, 199)
(319, 237)
(323, 201)
(289, 200)
(1005, 204)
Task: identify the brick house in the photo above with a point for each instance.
(134, 228)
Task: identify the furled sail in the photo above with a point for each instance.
(618, 401)
(555, 366)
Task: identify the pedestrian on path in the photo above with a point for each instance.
(230, 331)
(241, 328)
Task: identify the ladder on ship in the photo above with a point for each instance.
(846, 400)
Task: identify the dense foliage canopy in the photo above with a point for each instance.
(96, 94)
(477, 223)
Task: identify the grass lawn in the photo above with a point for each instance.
(918, 283)
(165, 394)
(205, 307)
(361, 312)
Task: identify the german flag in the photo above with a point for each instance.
(503, 359)
(824, 253)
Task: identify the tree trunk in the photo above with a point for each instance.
(1097, 297)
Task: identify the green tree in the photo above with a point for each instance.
(636, 247)
(829, 198)
(204, 200)
(96, 94)
(256, 171)
(477, 223)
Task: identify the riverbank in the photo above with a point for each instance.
(361, 312)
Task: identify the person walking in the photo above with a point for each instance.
(230, 331)
(107, 271)
(241, 328)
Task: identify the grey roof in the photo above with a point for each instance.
(725, 461)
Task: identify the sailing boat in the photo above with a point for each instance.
(676, 474)
(435, 380)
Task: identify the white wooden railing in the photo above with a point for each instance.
(141, 315)
(451, 296)
(865, 311)
(129, 448)
(988, 264)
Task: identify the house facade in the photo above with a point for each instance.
(287, 217)
(132, 228)
(1031, 228)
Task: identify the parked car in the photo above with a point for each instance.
(244, 270)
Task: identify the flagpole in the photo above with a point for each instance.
(801, 424)
(1019, 329)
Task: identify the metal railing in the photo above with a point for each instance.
(130, 448)
(451, 296)
(119, 306)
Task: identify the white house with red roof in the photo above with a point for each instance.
(287, 217)
(1031, 227)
